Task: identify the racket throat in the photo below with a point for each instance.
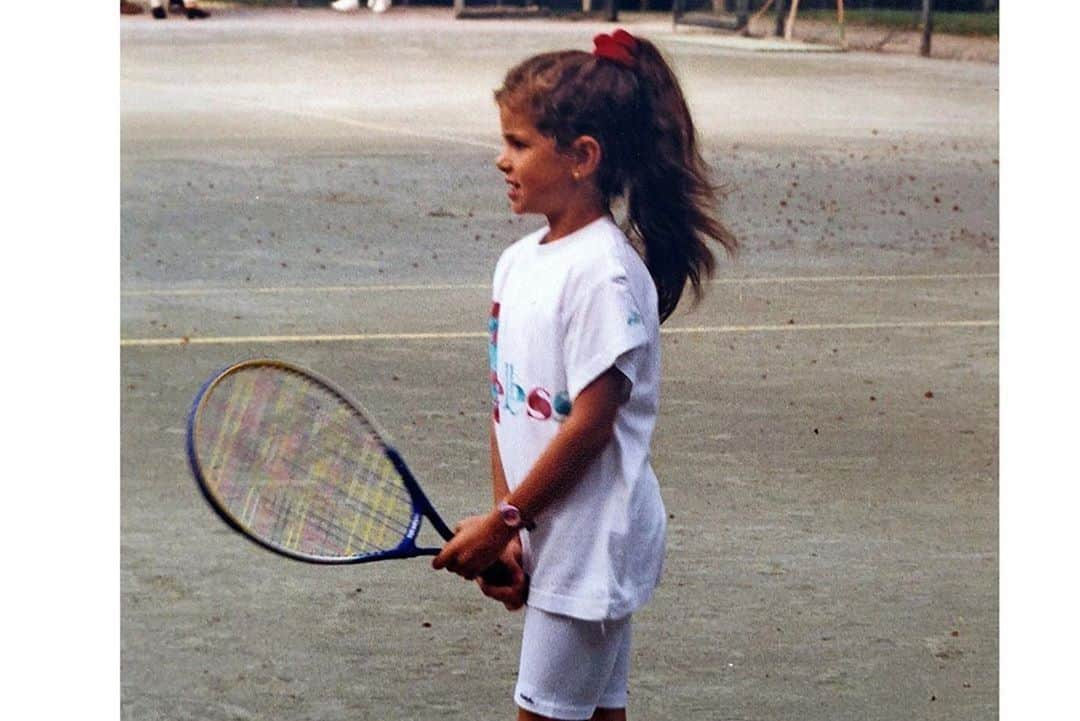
(423, 505)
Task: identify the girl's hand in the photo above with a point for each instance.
(512, 596)
(476, 545)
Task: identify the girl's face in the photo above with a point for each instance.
(539, 177)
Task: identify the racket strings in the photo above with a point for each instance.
(366, 496)
(300, 467)
(335, 516)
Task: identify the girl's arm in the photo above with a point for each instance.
(581, 438)
(514, 594)
(499, 487)
(583, 435)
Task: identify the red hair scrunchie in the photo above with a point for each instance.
(619, 46)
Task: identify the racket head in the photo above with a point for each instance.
(293, 463)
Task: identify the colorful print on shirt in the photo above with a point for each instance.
(510, 395)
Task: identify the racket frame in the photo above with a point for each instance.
(421, 506)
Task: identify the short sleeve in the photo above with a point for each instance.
(604, 326)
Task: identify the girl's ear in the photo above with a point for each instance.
(586, 155)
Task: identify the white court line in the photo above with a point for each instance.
(301, 289)
(378, 127)
(852, 278)
(319, 115)
(692, 330)
(483, 286)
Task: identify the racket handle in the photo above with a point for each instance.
(498, 574)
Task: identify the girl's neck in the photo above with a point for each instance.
(571, 220)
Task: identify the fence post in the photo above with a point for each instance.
(742, 12)
(789, 26)
(840, 24)
(927, 27)
(781, 14)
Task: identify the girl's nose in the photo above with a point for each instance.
(501, 163)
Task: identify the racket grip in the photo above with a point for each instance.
(498, 574)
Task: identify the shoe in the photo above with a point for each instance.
(345, 6)
(197, 14)
(380, 6)
(130, 8)
(158, 13)
(177, 6)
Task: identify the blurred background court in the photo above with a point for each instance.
(320, 187)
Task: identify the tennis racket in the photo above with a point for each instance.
(296, 465)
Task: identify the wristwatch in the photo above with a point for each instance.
(513, 517)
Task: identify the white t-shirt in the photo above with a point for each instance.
(562, 314)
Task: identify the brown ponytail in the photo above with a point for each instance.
(637, 113)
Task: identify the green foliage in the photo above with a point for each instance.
(953, 23)
(279, 3)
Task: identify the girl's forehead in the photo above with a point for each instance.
(512, 117)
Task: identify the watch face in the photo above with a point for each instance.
(511, 516)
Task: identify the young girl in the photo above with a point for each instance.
(575, 360)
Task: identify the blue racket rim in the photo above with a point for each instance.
(421, 506)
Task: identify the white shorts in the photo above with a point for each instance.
(570, 667)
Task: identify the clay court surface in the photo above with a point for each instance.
(321, 188)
